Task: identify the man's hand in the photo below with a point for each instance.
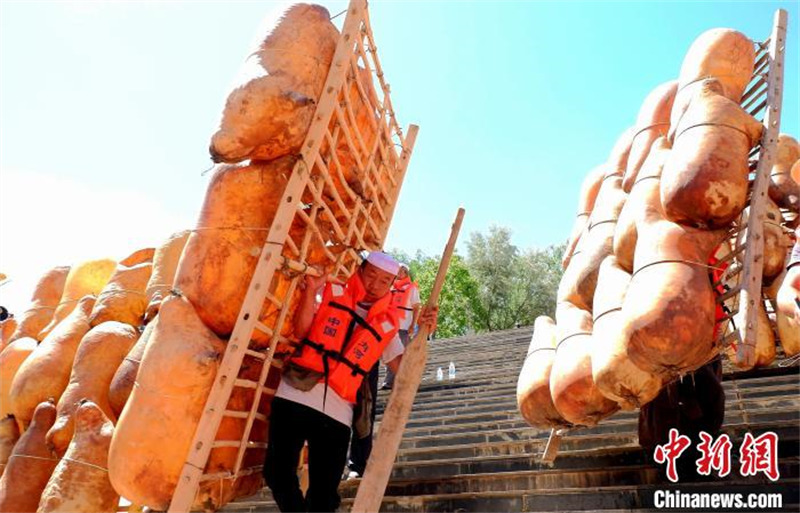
(304, 315)
(792, 280)
(792, 285)
(394, 365)
(429, 317)
(314, 283)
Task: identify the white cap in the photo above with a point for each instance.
(404, 266)
(384, 262)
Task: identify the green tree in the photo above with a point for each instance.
(496, 287)
(514, 287)
(539, 273)
(491, 260)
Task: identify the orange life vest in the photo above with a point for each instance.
(341, 344)
(401, 292)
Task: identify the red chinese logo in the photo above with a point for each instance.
(716, 455)
(760, 454)
(756, 454)
(671, 451)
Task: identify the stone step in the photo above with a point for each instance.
(489, 415)
(441, 346)
(457, 416)
(454, 392)
(489, 405)
(501, 394)
(482, 352)
(500, 364)
(512, 354)
(466, 448)
(626, 498)
(455, 429)
(533, 446)
(442, 468)
(511, 433)
(480, 339)
(551, 480)
(589, 458)
(504, 399)
(508, 364)
(609, 499)
(501, 358)
(507, 433)
(515, 481)
(490, 366)
(503, 354)
(573, 442)
(742, 397)
(469, 377)
(458, 389)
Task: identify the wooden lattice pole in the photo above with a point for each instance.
(754, 255)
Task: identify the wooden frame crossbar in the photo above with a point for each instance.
(339, 201)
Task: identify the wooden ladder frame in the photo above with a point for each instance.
(313, 198)
(764, 95)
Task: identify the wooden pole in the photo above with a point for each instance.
(379, 467)
(551, 449)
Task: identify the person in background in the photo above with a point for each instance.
(361, 443)
(794, 262)
(343, 333)
(792, 279)
(405, 297)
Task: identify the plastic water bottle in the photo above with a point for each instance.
(439, 374)
(451, 371)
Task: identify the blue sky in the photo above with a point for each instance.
(106, 110)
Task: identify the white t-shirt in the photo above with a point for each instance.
(408, 315)
(335, 407)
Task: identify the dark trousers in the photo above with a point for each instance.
(361, 448)
(693, 404)
(290, 426)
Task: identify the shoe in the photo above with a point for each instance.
(348, 474)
